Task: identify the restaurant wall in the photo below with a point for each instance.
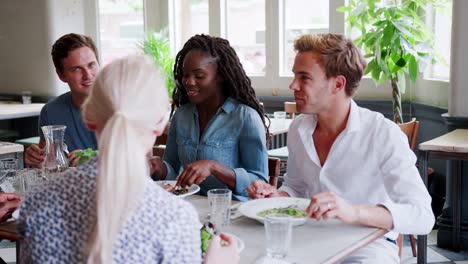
(28, 28)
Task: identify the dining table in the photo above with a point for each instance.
(327, 241)
(17, 110)
(279, 132)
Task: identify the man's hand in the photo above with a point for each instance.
(217, 253)
(329, 205)
(72, 158)
(196, 172)
(34, 156)
(260, 189)
(8, 203)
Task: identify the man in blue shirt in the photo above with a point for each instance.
(76, 62)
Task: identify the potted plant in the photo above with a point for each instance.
(395, 38)
(156, 45)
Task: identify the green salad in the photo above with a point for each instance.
(85, 155)
(289, 211)
(206, 233)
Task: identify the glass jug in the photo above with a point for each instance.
(55, 159)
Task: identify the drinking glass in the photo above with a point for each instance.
(26, 97)
(9, 181)
(278, 234)
(280, 116)
(12, 183)
(32, 178)
(220, 207)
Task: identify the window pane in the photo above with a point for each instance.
(246, 33)
(191, 18)
(301, 17)
(121, 28)
(442, 39)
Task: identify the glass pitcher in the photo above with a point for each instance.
(55, 159)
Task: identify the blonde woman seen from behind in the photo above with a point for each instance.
(109, 210)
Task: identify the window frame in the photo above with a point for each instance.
(159, 14)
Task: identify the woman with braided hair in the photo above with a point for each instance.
(217, 137)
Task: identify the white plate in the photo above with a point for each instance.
(191, 190)
(240, 244)
(251, 208)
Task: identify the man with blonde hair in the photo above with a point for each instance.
(354, 164)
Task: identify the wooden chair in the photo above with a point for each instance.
(159, 150)
(290, 108)
(411, 131)
(274, 170)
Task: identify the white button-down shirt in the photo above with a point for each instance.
(370, 162)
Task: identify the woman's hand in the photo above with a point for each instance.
(196, 172)
(8, 203)
(218, 253)
(260, 189)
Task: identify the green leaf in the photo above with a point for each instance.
(413, 68)
(401, 62)
(387, 34)
(376, 75)
(370, 67)
(344, 9)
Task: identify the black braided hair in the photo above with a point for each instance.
(236, 83)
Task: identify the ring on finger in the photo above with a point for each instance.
(329, 206)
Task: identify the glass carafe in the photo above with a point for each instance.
(55, 159)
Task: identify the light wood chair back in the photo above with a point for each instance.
(290, 108)
(410, 129)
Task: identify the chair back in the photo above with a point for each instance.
(290, 108)
(159, 151)
(410, 129)
(274, 170)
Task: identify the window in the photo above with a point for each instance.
(442, 40)
(299, 21)
(261, 31)
(121, 28)
(246, 33)
(192, 18)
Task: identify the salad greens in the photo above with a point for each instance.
(289, 211)
(85, 155)
(206, 233)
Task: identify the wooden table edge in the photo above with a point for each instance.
(356, 246)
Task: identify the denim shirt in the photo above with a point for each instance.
(234, 137)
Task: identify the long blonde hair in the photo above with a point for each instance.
(130, 102)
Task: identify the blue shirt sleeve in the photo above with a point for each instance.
(171, 157)
(252, 152)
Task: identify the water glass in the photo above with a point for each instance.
(32, 178)
(281, 117)
(26, 97)
(278, 230)
(220, 207)
(11, 182)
